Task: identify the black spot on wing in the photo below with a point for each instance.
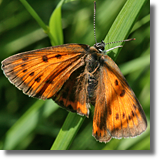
(45, 58)
(58, 56)
(117, 116)
(49, 81)
(38, 79)
(24, 58)
(122, 93)
(116, 82)
(25, 70)
(134, 106)
(31, 74)
(23, 65)
(123, 115)
(129, 117)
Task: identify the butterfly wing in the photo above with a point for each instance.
(118, 113)
(41, 73)
(73, 95)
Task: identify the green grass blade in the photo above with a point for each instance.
(23, 42)
(21, 128)
(123, 24)
(27, 123)
(135, 64)
(34, 14)
(68, 132)
(141, 22)
(55, 25)
(38, 19)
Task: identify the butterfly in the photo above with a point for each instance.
(75, 76)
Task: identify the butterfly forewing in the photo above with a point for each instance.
(41, 73)
(119, 111)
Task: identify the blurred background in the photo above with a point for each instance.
(28, 123)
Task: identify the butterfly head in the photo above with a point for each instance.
(100, 46)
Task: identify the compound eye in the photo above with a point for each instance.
(100, 46)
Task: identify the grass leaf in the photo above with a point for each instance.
(55, 25)
(22, 127)
(68, 132)
(123, 24)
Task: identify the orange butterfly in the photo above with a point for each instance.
(75, 76)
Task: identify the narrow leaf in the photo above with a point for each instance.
(123, 24)
(68, 132)
(55, 25)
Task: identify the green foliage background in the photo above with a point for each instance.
(27, 123)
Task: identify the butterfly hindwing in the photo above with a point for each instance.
(73, 95)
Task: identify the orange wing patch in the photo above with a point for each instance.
(117, 112)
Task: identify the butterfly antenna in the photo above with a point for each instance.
(121, 41)
(118, 42)
(94, 21)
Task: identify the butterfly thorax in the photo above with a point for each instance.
(93, 63)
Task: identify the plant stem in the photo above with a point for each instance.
(37, 18)
(68, 131)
